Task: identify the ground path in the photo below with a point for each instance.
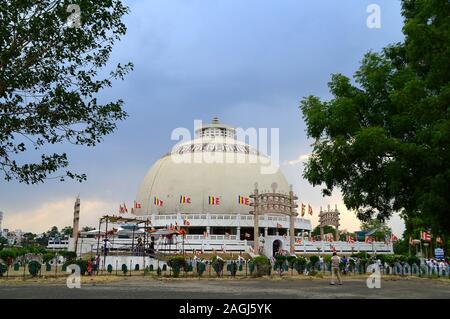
(228, 288)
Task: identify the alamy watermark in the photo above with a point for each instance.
(374, 280)
(74, 279)
(74, 20)
(374, 19)
(228, 145)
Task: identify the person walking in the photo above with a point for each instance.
(90, 266)
(335, 271)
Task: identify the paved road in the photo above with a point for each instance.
(233, 289)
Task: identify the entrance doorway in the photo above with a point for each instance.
(276, 247)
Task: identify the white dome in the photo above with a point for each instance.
(214, 165)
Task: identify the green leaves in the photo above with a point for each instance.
(385, 141)
(49, 80)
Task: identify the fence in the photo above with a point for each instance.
(231, 268)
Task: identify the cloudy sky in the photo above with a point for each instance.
(249, 62)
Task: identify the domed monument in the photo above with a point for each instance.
(214, 165)
(205, 185)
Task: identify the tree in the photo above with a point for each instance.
(384, 141)
(28, 239)
(50, 81)
(326, 230)
(3, 242)
(53, 232)
(375, 224)
(87, 228)
(67, 231)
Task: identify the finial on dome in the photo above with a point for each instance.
(215, 120)
(274, 187)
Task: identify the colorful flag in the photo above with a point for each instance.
(298, 241)
(137, 205)
(185, 199)
(426, 236)
(121, 210)
(186, 222)
(393, 238)
(157, 201)
(350, 239)
(125, 208)
(303, 209)
(243, 200)
(310, 211)
(368, 239)
(213, 200)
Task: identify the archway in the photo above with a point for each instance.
(276, 246)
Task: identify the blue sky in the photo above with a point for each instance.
(248, 62)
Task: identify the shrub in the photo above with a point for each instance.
(362, 255)
(217, 264)
(3, 269)
(201, 267)
(291, 261)
(109, 268)
(69, 255)
(16, 266)
(251, 267)
(313, 260)
(8, 255)
(233, 267)
(299, 264)
(262, 266)
(33, 268)
(124, 269)
(279, 263)
(413, 260)
(47, 257)
(177, 263)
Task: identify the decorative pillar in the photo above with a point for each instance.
(238, 233)
(256, 221)
(266, 231)
(292, 221)
(76, 223)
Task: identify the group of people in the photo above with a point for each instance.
(439, 264)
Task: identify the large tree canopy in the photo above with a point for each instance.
(49, 81)
(383, 139)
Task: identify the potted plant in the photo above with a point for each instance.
(217, 264)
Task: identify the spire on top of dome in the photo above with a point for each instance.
(216, 129)
(215, 120)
